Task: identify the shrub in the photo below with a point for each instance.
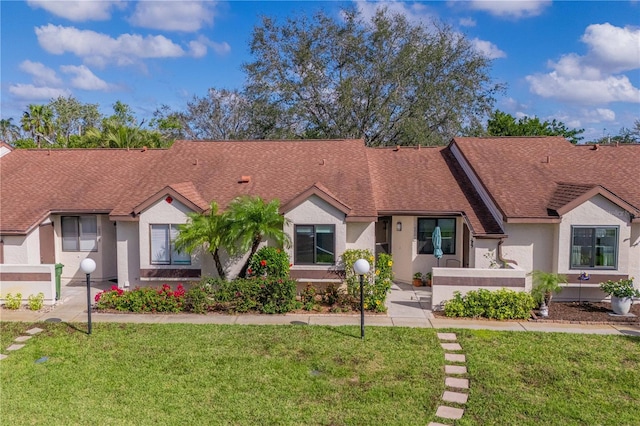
(269, 262)
(308, 297)
(377, 282)
(36, 302)
(501, 304)
(197, 300)
(142, 299)
(621, 288)
(12, 302)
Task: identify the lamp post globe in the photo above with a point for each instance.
(88, 266)
(361, 267)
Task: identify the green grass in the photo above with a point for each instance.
(551, 379)
(216, 374)
(310, 375)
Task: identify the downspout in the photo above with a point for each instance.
(499, 254)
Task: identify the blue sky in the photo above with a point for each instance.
(577, 61)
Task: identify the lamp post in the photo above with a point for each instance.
(361, 267)
(88, 266)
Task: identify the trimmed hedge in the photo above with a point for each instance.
(501, 304)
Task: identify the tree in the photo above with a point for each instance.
(221, 115)
(208, 230)
(9, 132)
(71, 116)
(251, 220)
(386, 80)
(38, 121)
(503, 124)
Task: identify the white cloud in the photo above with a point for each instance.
(487, 49)
(198, 48)
(40, 74)
(511, 8)
(34, 93)
(595, 77)
(598, 115)
(79, 10)
(609, 89)
(101, 49)
(84, 79)
(414, 12)
(613, 48)
(467, 22)
(187, 16)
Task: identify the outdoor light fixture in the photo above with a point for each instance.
(361, 267)
(88, 266)
(399, 226)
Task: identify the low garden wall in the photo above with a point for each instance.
(446, 281)
(28, 280)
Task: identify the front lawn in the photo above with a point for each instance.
(523, 378)
(310, 375)
(216, 374)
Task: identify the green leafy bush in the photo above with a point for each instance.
(500, 304)
(197, 300)
(621, 288)
(13, 302)
(269, 262)
(142, 299)
(377, 282)
(35, 302)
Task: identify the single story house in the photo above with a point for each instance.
(505, 206)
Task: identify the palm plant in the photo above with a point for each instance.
(251, 221)
(205, 230)
(38, 120)
(544, 285)
(8, 130)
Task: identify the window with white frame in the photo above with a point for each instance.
(315, 244)
(163, 251)
(426, 226)
(79, 233)
(594, 247)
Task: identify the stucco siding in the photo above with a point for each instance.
(104, 256)
(531, 245)
(361, 235)
(315, 211)
(22, 249)
(161, 212)
(596, 212)
(404, 247)
(128, 247)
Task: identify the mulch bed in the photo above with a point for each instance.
(589, 312)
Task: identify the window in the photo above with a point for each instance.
(315, 244)
(79, 233)
(447, 230)
(162, 249)
(594, 247)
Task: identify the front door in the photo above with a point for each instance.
(47, 249)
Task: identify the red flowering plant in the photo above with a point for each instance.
(269, 262)
(142, 299)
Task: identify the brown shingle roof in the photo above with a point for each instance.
(426, 181)
(527, 175)
(36, 182)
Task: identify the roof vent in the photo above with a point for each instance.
(244, 179)
(595, 147)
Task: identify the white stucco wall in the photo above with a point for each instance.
(315, 211)
(404, 245)
(22, 249)
(596, 212)
(361, 236)
(634, 253)
(161, 212)
(128, 246)
(484, 253)
(105, 256)
(533, 246)
(28, 288)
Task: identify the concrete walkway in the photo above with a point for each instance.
(407, 306)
